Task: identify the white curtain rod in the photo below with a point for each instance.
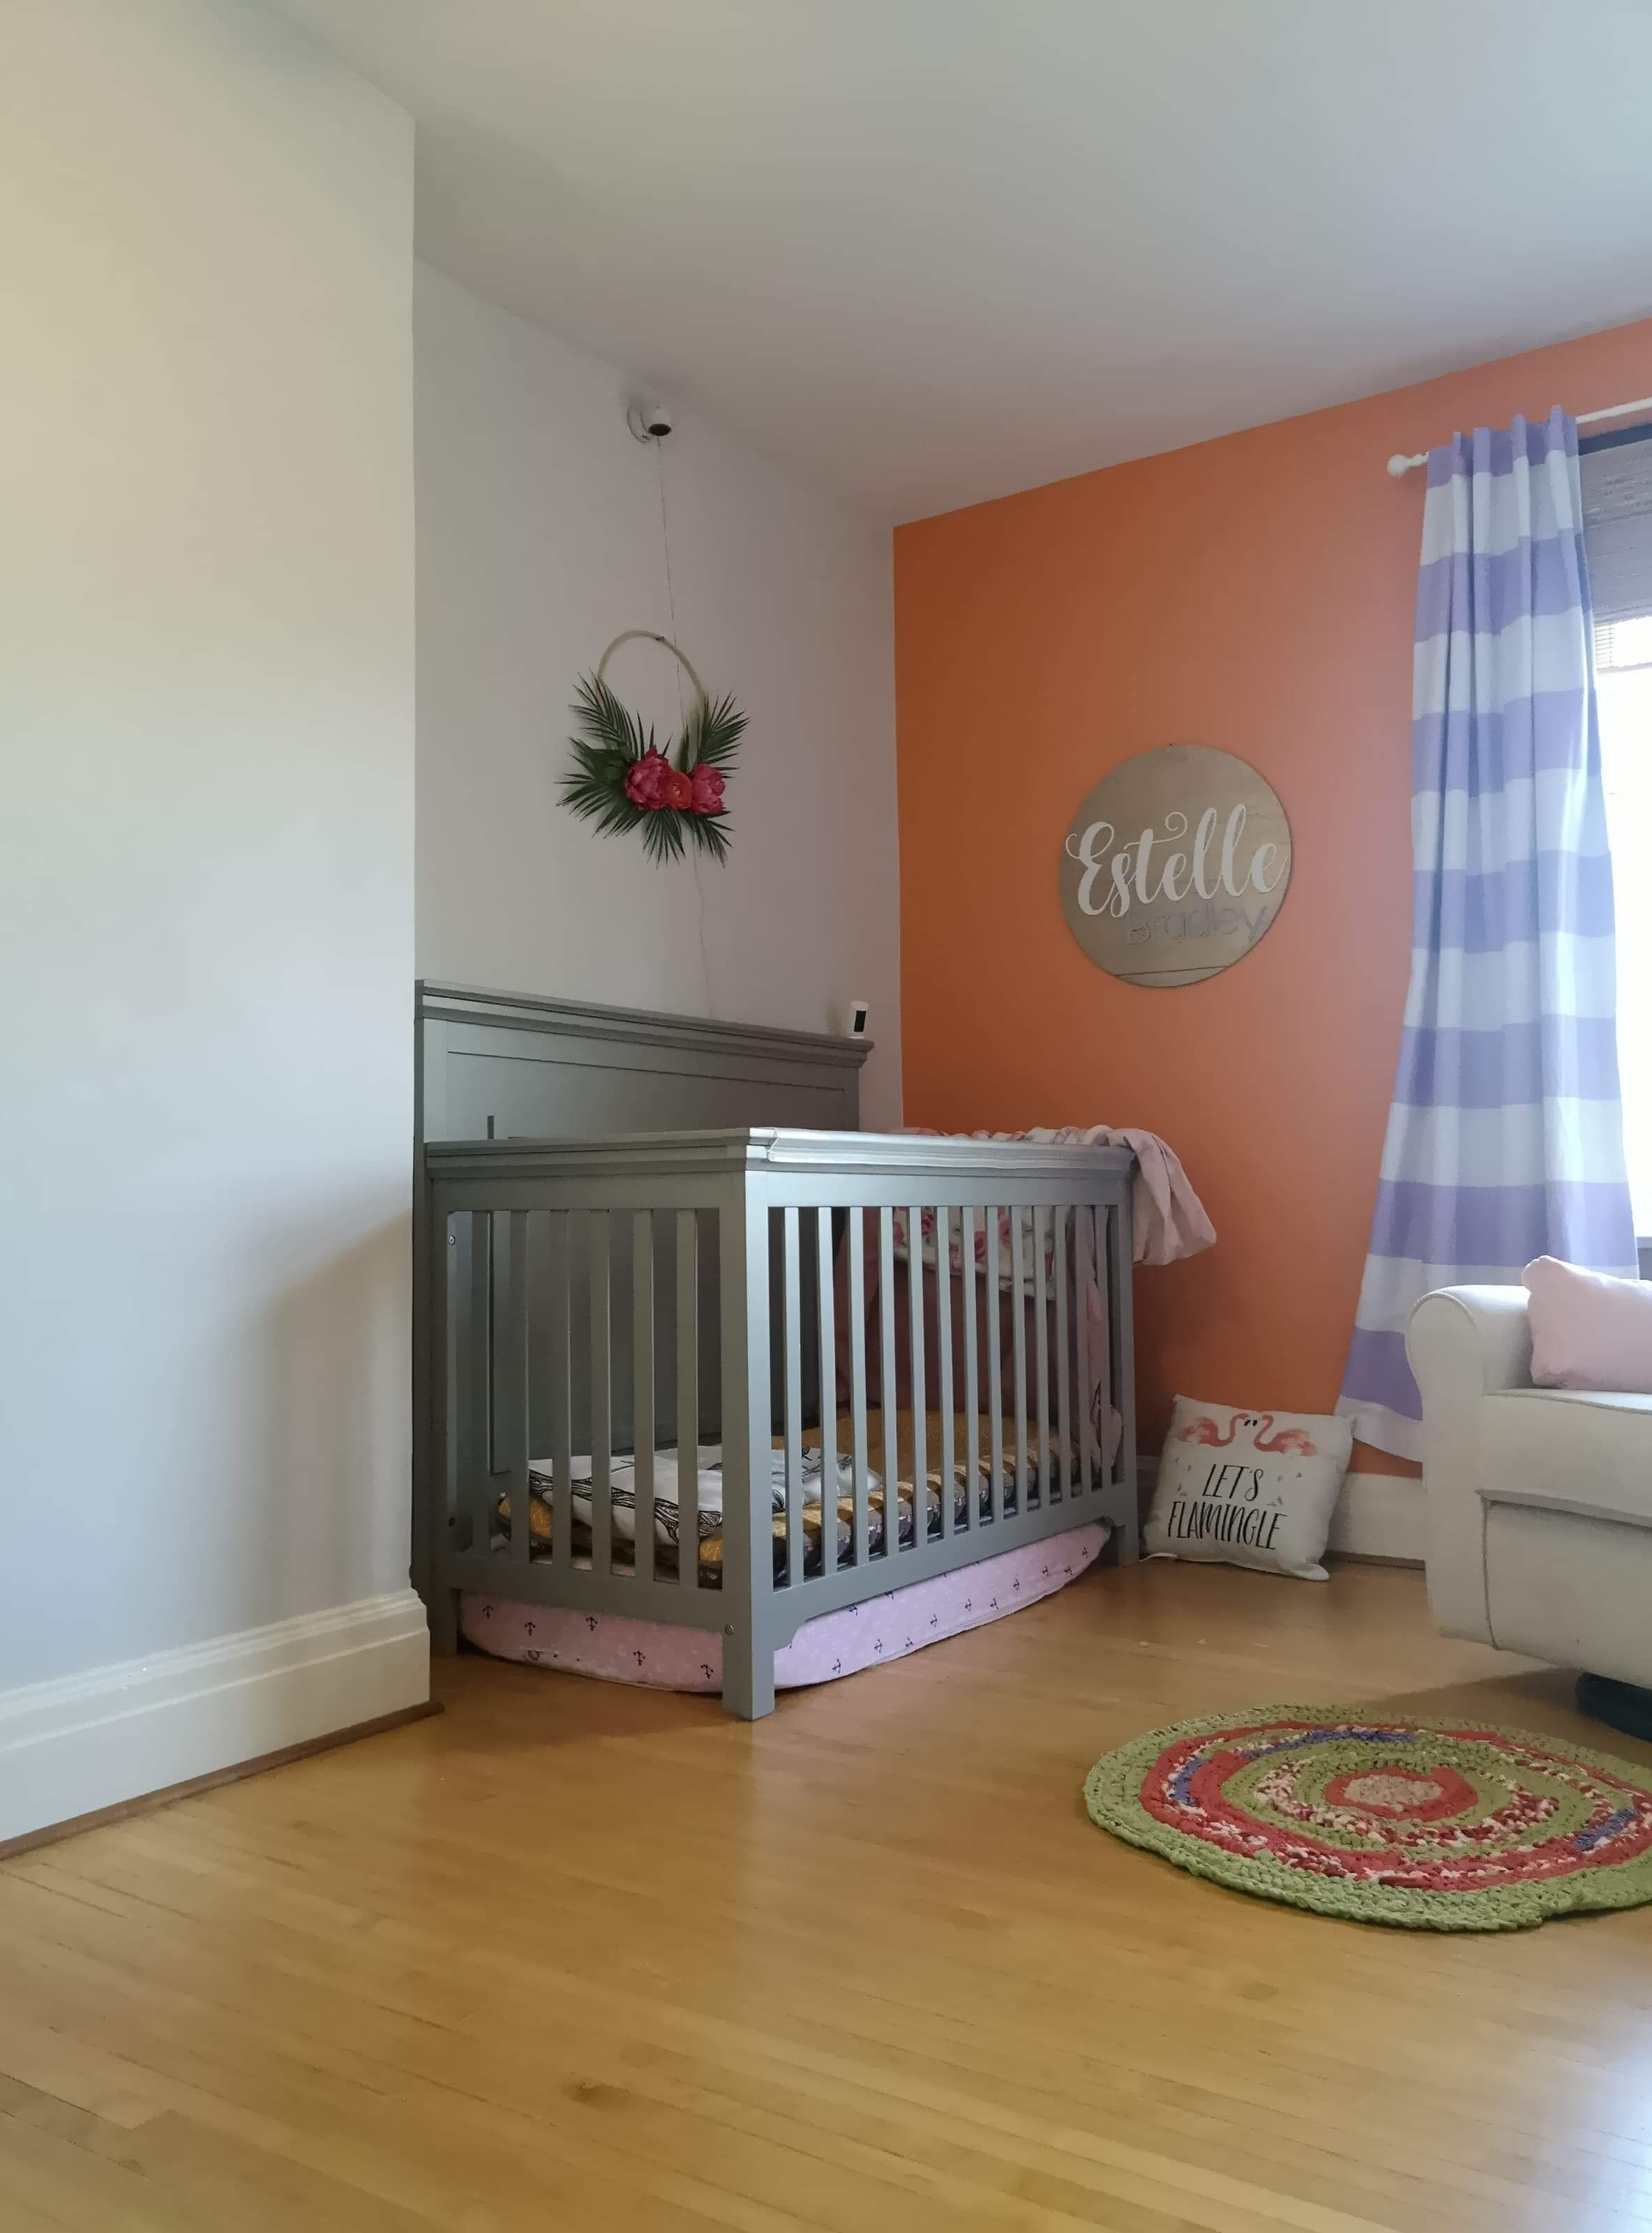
(1397, 465)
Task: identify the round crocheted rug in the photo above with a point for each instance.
(1433, 1825)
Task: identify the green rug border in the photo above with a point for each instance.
(1112, 1799)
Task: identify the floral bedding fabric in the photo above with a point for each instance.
(667, 1518)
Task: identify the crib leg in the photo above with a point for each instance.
(748, 1634)
(442, 1612)
(748, 1676)
(1127, 1522)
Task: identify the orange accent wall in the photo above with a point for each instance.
(1253, 593)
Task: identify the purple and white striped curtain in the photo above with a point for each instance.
(1506, 1138)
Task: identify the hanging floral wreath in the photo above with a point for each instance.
(621, 779)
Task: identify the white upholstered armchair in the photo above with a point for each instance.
(1539, 1499)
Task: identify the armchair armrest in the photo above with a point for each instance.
(1463, 1344)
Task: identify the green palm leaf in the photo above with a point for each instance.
(713, 736)
(606, 723)
(609, 738)
(710, 832)
(662, 834)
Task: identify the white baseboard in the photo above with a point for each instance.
(91, 1741)
(1378, 1515)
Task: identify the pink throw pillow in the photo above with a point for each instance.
(1588, 1329)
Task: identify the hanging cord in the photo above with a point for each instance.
(682, 715)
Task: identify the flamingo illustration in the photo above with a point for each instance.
(1204, 1430)
(1293, 1440)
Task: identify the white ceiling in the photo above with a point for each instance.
(935, 251)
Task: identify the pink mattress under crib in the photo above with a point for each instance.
(666, 1657)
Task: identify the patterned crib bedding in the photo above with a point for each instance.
(667, 1518)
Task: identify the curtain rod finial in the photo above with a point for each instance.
(1399, 467)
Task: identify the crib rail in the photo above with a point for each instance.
(910, 1354)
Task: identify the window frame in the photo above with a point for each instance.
(1619, 438)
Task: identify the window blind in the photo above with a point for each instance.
(1617, 538)
(1620, 645)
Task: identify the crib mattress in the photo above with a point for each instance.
(815, 1495)
(662, 1657)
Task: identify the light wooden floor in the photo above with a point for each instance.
(576, 1957)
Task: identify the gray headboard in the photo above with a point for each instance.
(511, 1065)
(505, 1066)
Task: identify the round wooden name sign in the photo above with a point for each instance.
(1176, 863)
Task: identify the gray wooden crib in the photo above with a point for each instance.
(639, 1251)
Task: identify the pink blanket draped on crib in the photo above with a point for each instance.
(1168, 1219)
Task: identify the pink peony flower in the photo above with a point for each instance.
(679, 791)
(706, 791)
(645, 781)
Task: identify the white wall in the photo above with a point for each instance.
(539, 540)
(205, 852)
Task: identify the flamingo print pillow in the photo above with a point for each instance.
(1248, 1488)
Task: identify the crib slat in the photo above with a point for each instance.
(642, 1399)
(971, 1373)
(1041, 1347)
(827, 1333)
(466, 1330)
(1057, 1486)
(857, 1387)
(995, 1357)
(887, 1344)
(919, 1394)
(792, 1287)
(944, 1374)
(479, 1486)
(1084, 1272)
(434, 1514)
(455, 1517)
(1109, 1273)
(513, 1369)
(562, 1409)
(1018, 1351)
(601, 1397)
(688, 1399)
(1121, 1304)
